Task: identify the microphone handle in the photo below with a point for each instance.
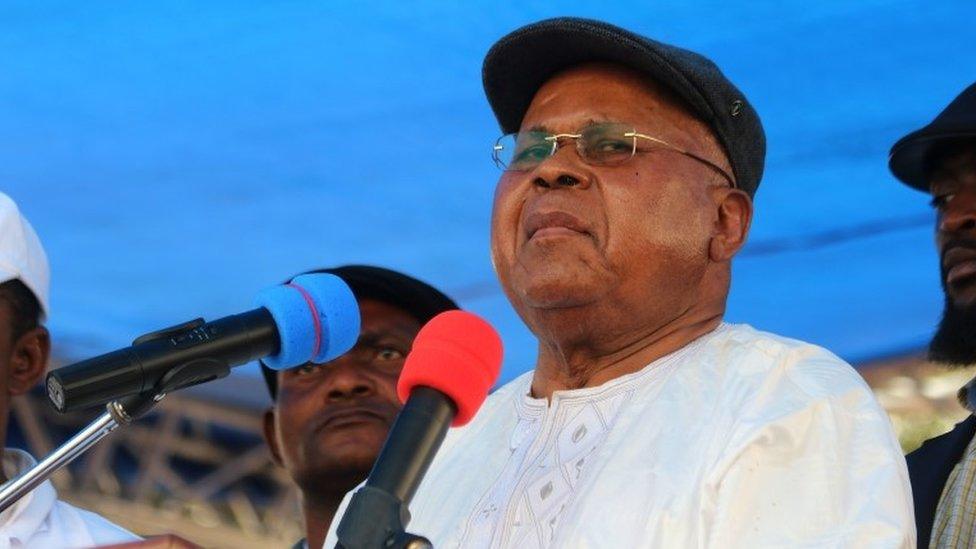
(417, 433)
(377, 513)
(232, 340)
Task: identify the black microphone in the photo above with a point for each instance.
(455, 359)
(314, 318)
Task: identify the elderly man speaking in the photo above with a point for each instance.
(629, 170)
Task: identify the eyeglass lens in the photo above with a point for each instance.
(601, 144)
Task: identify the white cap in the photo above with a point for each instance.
(21, 255)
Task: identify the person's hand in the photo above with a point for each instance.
(168, 541)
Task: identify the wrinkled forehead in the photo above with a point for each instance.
(611, 92)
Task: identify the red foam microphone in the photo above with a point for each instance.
(458, 354)
(455, 359)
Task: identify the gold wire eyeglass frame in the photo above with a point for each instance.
(555, 138)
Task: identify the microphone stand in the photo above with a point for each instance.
(118, 412)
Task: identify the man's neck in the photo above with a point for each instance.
(319, 506)
(591, 362)
(318, 513)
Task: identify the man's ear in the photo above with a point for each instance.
(271, 435)
(731, 225)
(28, 360)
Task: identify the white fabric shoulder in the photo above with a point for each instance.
(39, 519)
(101, 530)
(798, 413)
(761, 372)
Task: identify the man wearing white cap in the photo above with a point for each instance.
(38, 519)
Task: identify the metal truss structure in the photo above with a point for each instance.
(191, 467)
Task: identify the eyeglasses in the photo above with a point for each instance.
(602, 144)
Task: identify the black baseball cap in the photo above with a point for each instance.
(420, 299)
(518, 64)
(911, 157)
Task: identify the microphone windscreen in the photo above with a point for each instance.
(458, 354)
(317, 317)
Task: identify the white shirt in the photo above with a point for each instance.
(39, 520)
(739, 439)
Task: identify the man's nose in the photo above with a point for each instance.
(564, 169)
(348, 380)
(960, 214)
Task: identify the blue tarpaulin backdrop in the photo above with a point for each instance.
(177, 157)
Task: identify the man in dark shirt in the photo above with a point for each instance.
(940, 159)
(329, 421)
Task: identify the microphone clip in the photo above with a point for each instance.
(187, 374)
(171, 331)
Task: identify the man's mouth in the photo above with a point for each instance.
(554, 224)
(959, 265)
(348, 417)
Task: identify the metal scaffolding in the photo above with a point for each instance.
(191, 467)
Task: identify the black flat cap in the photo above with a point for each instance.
(909, 159)
(421, 300)
(518, 64)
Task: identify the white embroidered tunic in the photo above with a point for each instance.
(739, 439)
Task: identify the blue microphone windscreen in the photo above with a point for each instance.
(317, 318)
(338, 313)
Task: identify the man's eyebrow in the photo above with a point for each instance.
(588, 122)
(598, 120)
(374, 337)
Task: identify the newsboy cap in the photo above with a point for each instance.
(911, 156)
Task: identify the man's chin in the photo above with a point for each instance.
(352, 461)
(963, 296)
(349, 445)
(559, 286)
(367, 439)
(336, 473)
(954, 343)
(555, 295)
(346, 461)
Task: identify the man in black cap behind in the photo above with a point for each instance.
(629, 168)
(328, 421)
(940, 159)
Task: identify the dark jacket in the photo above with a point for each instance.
(929, 469)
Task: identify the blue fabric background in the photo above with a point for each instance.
(177, 157)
